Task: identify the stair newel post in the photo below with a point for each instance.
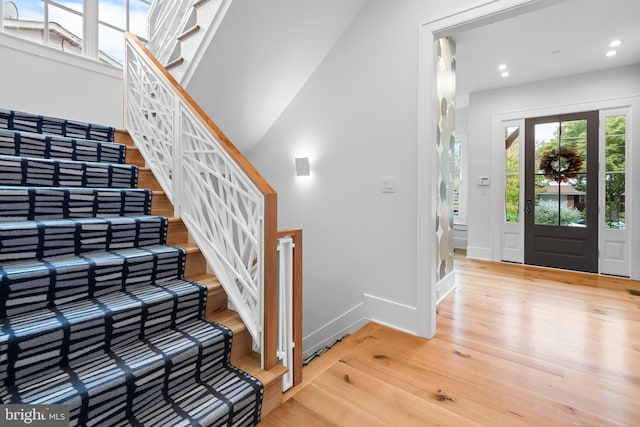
(270, 283)
(177, 178)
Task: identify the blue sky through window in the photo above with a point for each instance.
(112, 12)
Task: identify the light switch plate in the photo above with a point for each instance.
(388, 184)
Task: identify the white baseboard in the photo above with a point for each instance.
(389, 313)
(479, 253)
(328, 334)
(445, 286)
(392, 314)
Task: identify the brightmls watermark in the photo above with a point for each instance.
(34, 415)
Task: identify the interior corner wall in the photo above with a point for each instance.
(591, 87)
(40, 80)
(356, 119)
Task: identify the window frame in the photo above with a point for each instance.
(90, 23)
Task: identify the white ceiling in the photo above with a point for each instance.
(568, 38)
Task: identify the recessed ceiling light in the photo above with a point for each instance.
(505, 74)
(502, 67)
(611, 53)
(615, 43)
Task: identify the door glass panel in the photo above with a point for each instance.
(574, 202)
(560, 182)
(546, 140)
(512, 174)
(574, 137)
(615, 204)
(547, 203)
(615, 168)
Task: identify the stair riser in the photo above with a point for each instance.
(217, 300)
(134, 157)
(39, 204)
(123, 137)
(196, 264)
(161, 205)
(22, 171)
(177, 233)
(58, 147)
(43, 284)
(41, 240)
(146, 179)
(20, 121)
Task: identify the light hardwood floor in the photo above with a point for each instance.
(515, 346)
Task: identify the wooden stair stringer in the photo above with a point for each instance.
(196, 269)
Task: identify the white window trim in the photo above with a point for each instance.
(90, 26)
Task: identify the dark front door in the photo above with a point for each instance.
(561, 191)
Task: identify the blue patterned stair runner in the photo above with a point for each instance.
(94, 309)
(59, 147)
(21, 121)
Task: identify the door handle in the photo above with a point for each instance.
(529, 207)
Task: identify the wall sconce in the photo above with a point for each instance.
(302, 166)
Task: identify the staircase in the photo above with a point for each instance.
(181, 30)
(96, 311)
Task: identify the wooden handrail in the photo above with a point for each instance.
(296, 235)
(270, 293)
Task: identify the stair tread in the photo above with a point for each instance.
(251, 365)
(72, 202)
(30, 285)
(230, 319)
(88, 220)
(58, 237)
(114, 305)
(37, 145)
(97, 256)
(71, 162)
(26, 171)
(20, 120)
(207, 280)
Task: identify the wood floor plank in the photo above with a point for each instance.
(515, 346)
(493, 376)
(294, 414)
(388, 403)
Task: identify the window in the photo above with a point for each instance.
(117, 17)
(512, 174)
(615, 171)
(60, 24)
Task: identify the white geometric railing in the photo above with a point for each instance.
(227, 207)
(166, 22)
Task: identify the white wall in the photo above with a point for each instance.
(41, 80)
(357, 120)
(260, 57)
(585, 88)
